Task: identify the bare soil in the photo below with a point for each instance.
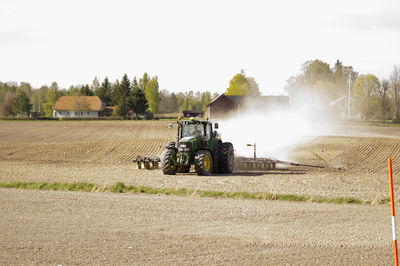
(47, 227)
(53, 228)
(102, 151)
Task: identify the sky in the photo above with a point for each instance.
(193, 45)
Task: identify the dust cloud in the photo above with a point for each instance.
(276, 131)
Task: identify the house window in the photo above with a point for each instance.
(88, 113)
(67, 113)
(81, 113)
(60, 113)
(76, 113)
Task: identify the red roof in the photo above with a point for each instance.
(79, 103)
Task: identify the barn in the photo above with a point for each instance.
(228, 105)
(78, 106)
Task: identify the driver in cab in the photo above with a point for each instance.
(196, 130)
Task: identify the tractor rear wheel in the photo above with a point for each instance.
(225, 158)
(203, 162)
(168, 162)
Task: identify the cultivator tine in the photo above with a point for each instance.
(255, 164)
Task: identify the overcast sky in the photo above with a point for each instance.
(193, 45)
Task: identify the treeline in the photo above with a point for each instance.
(141, 96)
(371, 97)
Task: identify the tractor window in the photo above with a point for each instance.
(208, 130)
(192, 130)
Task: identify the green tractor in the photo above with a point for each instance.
(197, 144)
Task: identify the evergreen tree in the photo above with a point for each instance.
(138, 99)
(21, 104)
(104, 92)
(123, 90)
(86, 91)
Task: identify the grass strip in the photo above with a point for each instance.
(120, 187)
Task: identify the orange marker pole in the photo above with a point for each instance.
(396, 259)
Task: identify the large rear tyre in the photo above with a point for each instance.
(203, 162)
(168, 162)
(225, 158)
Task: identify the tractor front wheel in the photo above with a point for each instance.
(168, 162)
(203, 162)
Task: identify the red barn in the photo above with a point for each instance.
(228, 105)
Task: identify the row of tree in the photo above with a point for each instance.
(140, 96)
(370, 98)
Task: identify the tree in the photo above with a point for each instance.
(172, 101)
(95, 85)
(143, 81)
(21, 104)
(6, 107)
(6, 88)
(115, 92)
(74, 91)
(122, 108)
(104, 92)
(25, 87)
(180, 100)
(205, 100)
(395, 85)
(240, 85)
(382, 91)
(138, 99)
(122, 91)
(86, 91)
(364, 87)
(51, 97)
(152, 94)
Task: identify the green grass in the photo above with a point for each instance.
(120, 187)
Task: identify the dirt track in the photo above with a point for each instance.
(100, 228)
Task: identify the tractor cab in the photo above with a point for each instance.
(195, 129)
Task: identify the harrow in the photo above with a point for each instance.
(147, 162)
(241, 163)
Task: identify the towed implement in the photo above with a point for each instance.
(147, 162)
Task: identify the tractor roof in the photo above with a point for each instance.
(196, 121)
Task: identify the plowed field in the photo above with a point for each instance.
(101, 152)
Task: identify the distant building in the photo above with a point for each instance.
(192, 113)
(108, 110)
(78, 106)
(227, 105)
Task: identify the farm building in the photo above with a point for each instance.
(78, 106)
(227, 105)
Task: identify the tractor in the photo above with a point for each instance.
(197, 144)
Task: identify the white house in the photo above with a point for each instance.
(78, 106)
